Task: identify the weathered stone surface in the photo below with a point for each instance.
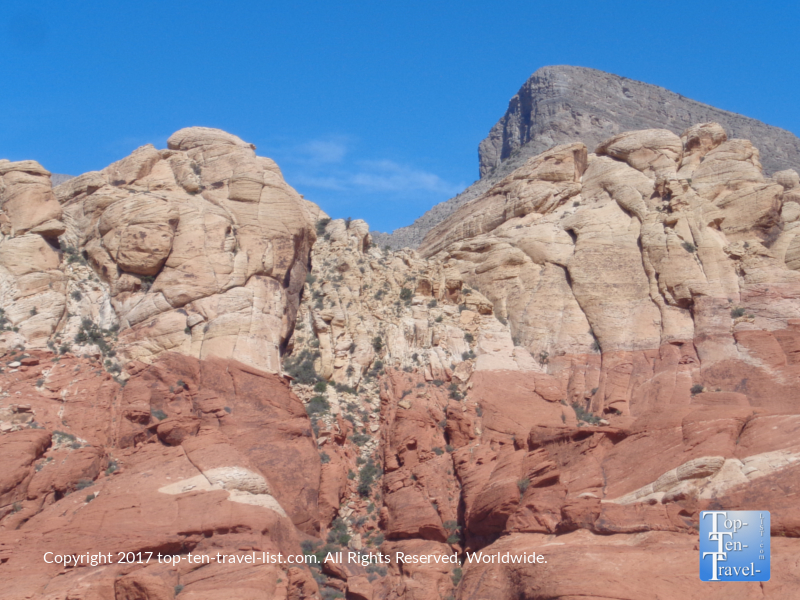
(633, 259)
(576, 364)
(612, 567)
(564, 104)
(200, 249)
(32, 288)
(190, 456)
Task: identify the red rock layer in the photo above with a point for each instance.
(190, 456)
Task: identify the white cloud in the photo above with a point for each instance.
(389, 176)
(324, 151)
(328, 164)
(325, 183)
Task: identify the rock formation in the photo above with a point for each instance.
(642, 247)
(617, 308)
(200, 249)
(33, 287)
(565, 104)
(57, 178)
(576, 363)
(190, 456)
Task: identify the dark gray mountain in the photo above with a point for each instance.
(58, 178)
(563, 104)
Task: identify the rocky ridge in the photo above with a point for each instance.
(135, 262)
(565, 104)
(576, 363)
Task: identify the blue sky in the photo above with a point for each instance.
(372, 109)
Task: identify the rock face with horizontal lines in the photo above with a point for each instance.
(201, 249)
(564, 104)
(196, 456)
(32, 287)
(656, 243)
(577, 363)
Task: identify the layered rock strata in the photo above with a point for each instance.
(201, 249)
(575, 364)
(633, 274)
(205, 457)
(565, 104)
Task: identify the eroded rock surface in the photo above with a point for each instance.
(564, 104)
(189, 456)
(656, 251)
(201, 249)
(576, 364)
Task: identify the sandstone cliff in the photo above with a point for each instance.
(615, 311)
(576, 363)
(563, 104)
(201, 249)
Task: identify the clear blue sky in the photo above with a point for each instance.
(372, 109)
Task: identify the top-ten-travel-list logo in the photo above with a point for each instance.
(734, 545)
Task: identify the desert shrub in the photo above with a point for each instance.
(62, 437)
(337, 530)
(321, 225)
(301, 367)
(359, 439)
(584, 415)
(345, 389)
(366, 477)
(317, 405)
(377, 569)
